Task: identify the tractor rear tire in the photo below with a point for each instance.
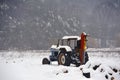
(45, 61)
(64, 59)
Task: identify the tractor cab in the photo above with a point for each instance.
(71, 41)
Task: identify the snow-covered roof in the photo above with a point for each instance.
(71, 37)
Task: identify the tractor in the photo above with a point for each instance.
(69, 50)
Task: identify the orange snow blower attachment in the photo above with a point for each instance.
(83, 47)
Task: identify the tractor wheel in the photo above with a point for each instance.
(45, 61)
(86, 57)
(63, 59)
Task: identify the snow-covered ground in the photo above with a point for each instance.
(27, 65)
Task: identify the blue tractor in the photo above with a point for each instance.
(69, 50)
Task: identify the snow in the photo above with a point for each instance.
(71, 37)
(26, 65)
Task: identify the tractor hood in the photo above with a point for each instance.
(67, 48)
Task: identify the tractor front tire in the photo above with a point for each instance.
(45, 61)
(63, 59)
